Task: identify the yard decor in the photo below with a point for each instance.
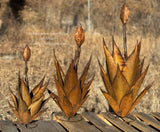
(124, 74)
(72, 92)
(27, 106)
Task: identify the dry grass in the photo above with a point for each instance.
(35, 20)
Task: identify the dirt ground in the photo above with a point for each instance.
(43, 39)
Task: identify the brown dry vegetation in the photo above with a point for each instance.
(59, 18)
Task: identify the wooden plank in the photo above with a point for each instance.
(148, 119)
(118, 123)
(92, 117)
(76, 126)
(42, 126)
(138, 124)
(8, 126)
(157, 115)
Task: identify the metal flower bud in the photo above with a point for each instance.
(26, 53)
(124, 14)
(79, 35)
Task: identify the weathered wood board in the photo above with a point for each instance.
(90, 122)
(149, 119)
(94, 119)
(7, 126)
(78, 125)
(118, 122)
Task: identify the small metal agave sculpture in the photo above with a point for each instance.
(27, 107)
(72, 92)
(124, 75)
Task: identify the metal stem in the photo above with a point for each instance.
(77, 56)
(124, 41)
(26, 76)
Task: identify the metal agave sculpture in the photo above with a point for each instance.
(124, 75)
(72, 92)
(27, 106)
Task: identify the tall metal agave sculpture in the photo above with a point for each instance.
(124, 74)
(72, 92)
(27, 106)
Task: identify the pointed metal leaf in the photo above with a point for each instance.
(38, 114)
(36, 106)
(26, 117)
(75, 94)
(55, 98)
(37, 88)
(106, 80)
(71, 79)
(140, 96)
(117, 56)
(15, 112)
(137, 85)
(120, 86)
(59, 71)
(14, 98)
(40, 93)
(25, 93)
(112, 102)
(76, 108)
(22, 106)
(85, 88)
(66, 107)
(60, 91)
(45, 101)
(111, 66)
(132, 69)
(126, 103)
(84, 74)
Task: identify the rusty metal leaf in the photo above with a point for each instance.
(36, 106)
(14, 98)
(15, 112)
(111, 66)
(76, 107)
(22, 106)
(117, 56)
(25, 93)
(137, 85)
(40, 93)
(126, 103)
(71, 79)
(120, 86)
(85, 88)
(38, 114)
(111, 101)
(106, 80)
(132, 69)
(84, 74)
(59, 71)
(66, 107)
(55, 98)
(37, 87)
(75, 94)
(140, 96)
(26, 117)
